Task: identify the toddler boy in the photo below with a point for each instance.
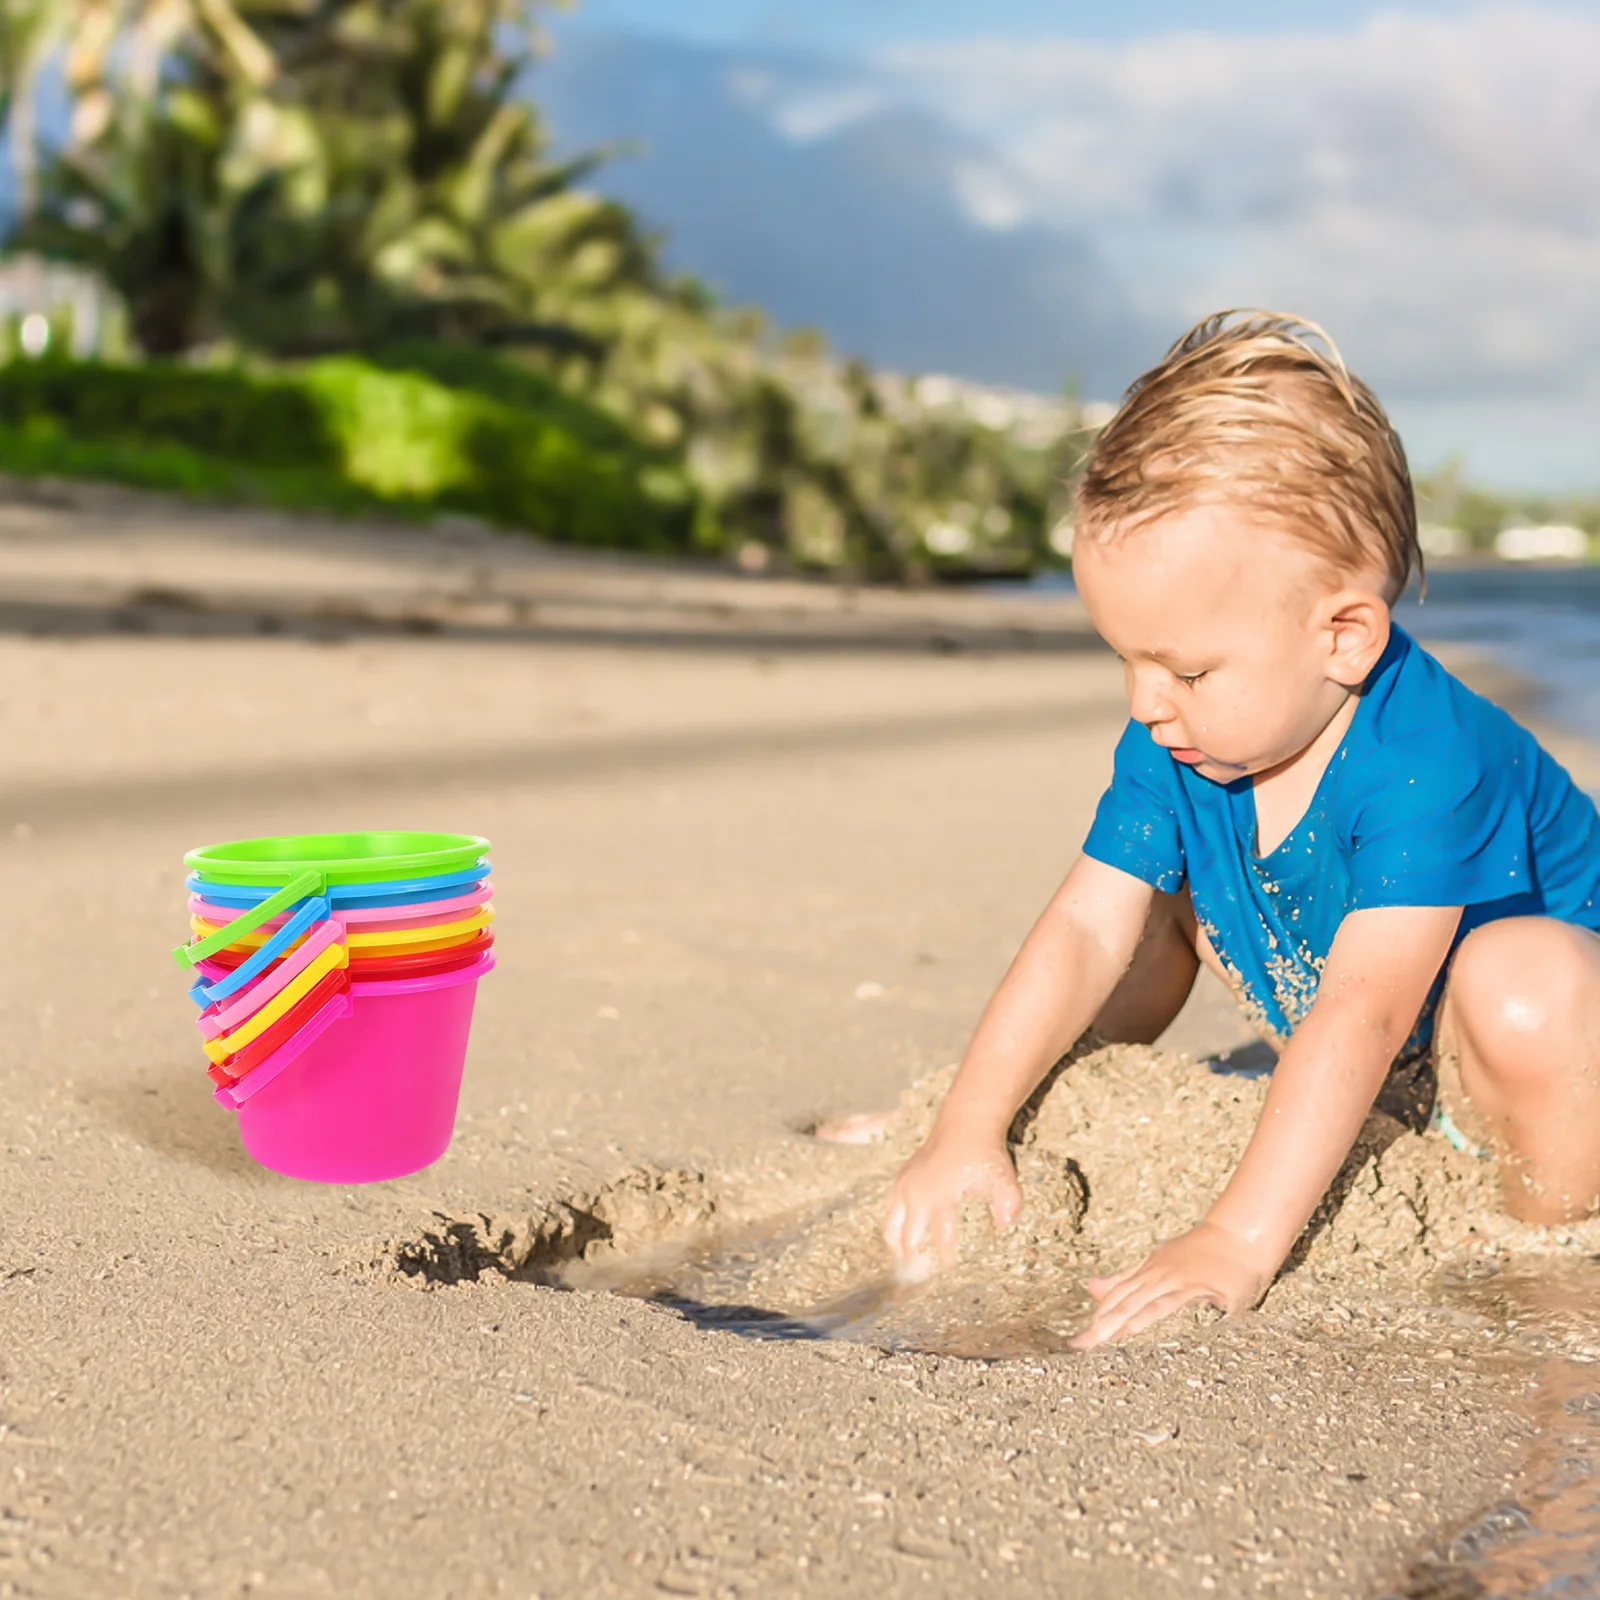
(1377, 861)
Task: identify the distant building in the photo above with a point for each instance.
(1439, 539)
(1549, 541)
(1037, 421)
(41, 295)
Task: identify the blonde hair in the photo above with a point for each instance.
(1245, 409)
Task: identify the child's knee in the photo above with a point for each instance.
(1519, 988)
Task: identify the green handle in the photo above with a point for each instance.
(308, 883)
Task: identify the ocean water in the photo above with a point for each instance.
(1543, 622)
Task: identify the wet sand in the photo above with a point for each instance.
(760, 854)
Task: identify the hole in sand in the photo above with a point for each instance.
(815, 1272)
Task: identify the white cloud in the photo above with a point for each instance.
(990, 195)
(814, 114)
(801, 107)
(1428, 188)
(752, 86)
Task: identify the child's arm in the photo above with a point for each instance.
(1378, 974)
(1061, 977)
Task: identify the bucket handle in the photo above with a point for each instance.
(297, 888)
(214, 1021)
(221, 1046)
(235, 1095)
(311, 912)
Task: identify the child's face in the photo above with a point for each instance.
(1233, 636)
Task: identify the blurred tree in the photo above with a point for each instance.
(29, 31)
(325, 176)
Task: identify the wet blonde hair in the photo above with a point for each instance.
(1246, 409)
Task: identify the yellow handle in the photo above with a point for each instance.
(227, 1044)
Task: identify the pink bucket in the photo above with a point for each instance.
(375, 1095)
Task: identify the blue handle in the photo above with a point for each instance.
(312, 911)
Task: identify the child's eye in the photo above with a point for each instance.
(1189, 677)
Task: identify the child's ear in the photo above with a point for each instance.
(1356, 627)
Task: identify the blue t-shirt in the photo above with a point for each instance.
(1434, 797)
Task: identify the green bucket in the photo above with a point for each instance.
(337, 858)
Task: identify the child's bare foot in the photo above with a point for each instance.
(860, 1127)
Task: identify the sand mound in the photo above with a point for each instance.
(1156, 1136)
(1122, 1148)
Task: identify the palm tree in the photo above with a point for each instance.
(333, 175)
(29, 31)
(142, 213)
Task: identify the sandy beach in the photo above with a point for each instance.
(761, 850)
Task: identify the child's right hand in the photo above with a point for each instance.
(925, 1203)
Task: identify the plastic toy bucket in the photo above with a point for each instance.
(374, 1096)
(339, 858)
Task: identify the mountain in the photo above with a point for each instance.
(853, 221)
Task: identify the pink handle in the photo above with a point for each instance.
(258, 1078)
(213, 1023)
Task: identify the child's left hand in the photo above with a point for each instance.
(1206, 1266)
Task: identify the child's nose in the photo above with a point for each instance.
(1147, 702)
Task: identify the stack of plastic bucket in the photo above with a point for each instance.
(336, 975)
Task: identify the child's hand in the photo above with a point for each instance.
(925, 1203)
(1206, 1266)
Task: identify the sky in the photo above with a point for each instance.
(851, 26)
(1423, 178)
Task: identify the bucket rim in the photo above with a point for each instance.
(241, 895)
(337, 857)
(381, 988)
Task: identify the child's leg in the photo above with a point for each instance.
(1519, 1031)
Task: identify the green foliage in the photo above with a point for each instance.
(345, 434)
(475, 370)
(45, 449)
(230, 415)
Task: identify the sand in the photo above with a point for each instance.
(761, 851)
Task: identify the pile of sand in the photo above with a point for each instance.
(1124, 1147)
